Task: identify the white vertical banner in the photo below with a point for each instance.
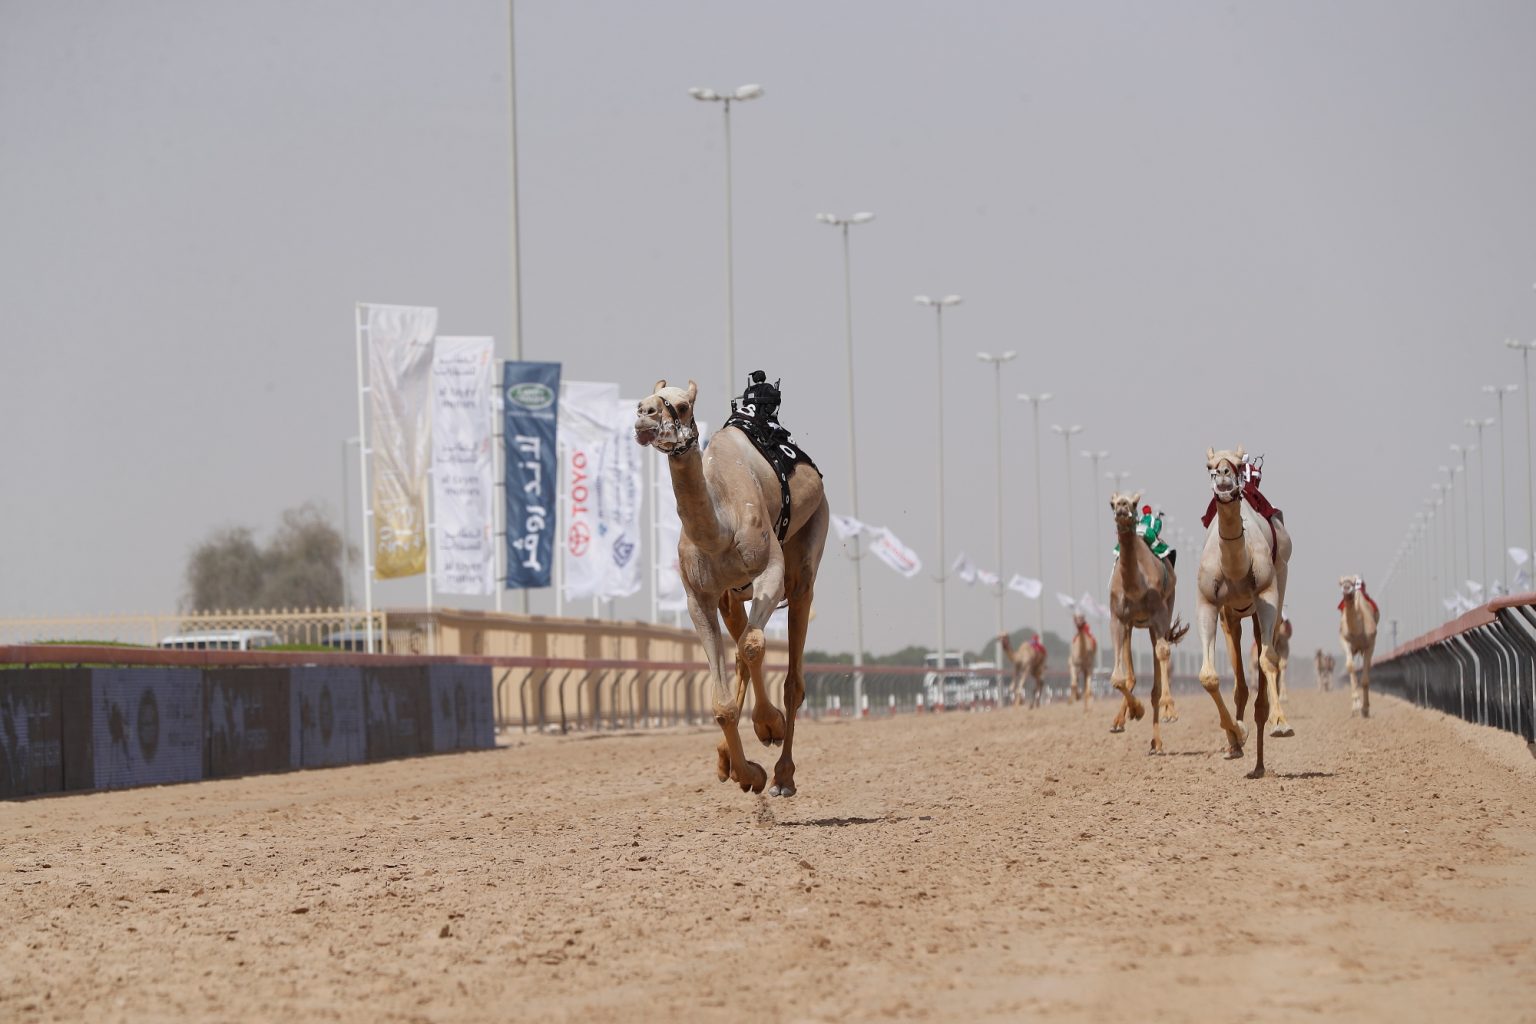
(602, 490)
(463, 485)
(399, 374)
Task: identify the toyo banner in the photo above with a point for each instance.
(531, 393)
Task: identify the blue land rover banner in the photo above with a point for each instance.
(531, 393)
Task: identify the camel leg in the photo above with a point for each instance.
(1034, 701)
(1365, 682)
(794, 691)
(1123, 676)
(732, 762)
(1205, 618)
(1267, 622)
(1159, 682)
(1354, 682)
(767, 720)
(1260, 717)
(1232, 626)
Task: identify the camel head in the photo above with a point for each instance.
(1079, 620)
(1349, 584)
(1226, 472)
(665, 419)
(1127, 507)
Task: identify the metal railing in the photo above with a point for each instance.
(310, 626)
(1480, 667)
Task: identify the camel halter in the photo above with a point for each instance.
(679, 429)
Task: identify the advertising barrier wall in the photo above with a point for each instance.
(65, 729)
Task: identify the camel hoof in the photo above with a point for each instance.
(1282, 731)
(756, 779)
(1365, 712)
(1257, 773)
(777, 790)
(723, 764)
(1156, 751)
(771, 729)
(1117, 728)
(1137, 712)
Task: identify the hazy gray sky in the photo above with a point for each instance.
(1305, 227)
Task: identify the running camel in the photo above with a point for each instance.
(1358, 616)
(1028, 660)
(1141, 592)
(729, 552)
(1241, 576)
(1082, 658)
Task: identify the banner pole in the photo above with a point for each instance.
(363, 451)
(426, 507)
(499, 475)
(655, 545)
(557, 552)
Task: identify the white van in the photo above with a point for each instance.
(222, 640)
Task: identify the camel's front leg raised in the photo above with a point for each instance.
(767, 592)
(1123, 676)
(725, 704)
(767, 720)
(1205, 618)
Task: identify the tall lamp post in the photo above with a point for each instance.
(1035, 402)
(1098, 557)
(938, 306)
(1530, 508)
(1450, 522)
(844, 223)
(741, 95)
(997, 362)
(1498, 391)
(1466, 501)
(1482, 489)
(1066, 438)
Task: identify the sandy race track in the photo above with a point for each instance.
(1004, 866)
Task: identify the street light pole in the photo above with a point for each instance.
(1066, 438)
(853, 454)
(938, 310)
(1098, 556)
(1499, 391)
(1482, 490)
(997, 362)
(1035, 402)
(1466, 501)
(1530, 507)
(741, 95)
(1450, 518)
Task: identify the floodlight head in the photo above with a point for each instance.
(861, 218)
(985, 357)
(950, 300)
(1010, 354)
(925, 300)
(749, 92)
(703, 94)
(826, 218)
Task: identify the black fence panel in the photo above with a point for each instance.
(249, 721)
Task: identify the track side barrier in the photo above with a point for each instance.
(1480, 667)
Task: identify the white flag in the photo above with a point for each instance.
(464, 557)
(964, 568)
(1522, 581)
(987, 578)
(1026, 586)
(889, 549)
(1452, 603)
(1519, 555)
(1065, 600)
(399, 376)
(846, 526)
(1474, 588)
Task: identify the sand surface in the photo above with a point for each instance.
(993, 866)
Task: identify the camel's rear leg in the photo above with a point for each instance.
(1206, 616)
(794, 692)
(1159, 683)
(726, 706)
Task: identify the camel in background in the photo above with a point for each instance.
(1241, 576)
(730, 552)
(1083, 656)
(1325, 666)
(1358, 616)
(1028, 660)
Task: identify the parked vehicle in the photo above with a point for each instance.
(222, 640)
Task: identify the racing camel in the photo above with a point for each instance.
(1241, 576)
(1358, 616)
(1082, 658)
(733, 549)
(1028, 660)
(1141, 592)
